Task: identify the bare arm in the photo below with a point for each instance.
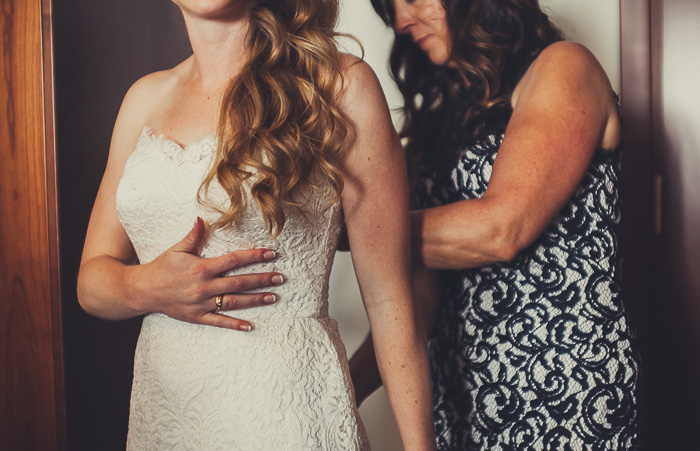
(363, 363)
(177, 283)
(563, 110)
(375, 203)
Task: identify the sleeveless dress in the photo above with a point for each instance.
(284, 385)
(536, 353)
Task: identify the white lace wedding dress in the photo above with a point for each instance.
(284, 386)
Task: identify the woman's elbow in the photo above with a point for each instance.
(85, 289)
(82, 292)
(489, 251)
(504, 251)
(508, 242)
(501, 240)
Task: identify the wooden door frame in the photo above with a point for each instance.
(32, 407)
(52, 221)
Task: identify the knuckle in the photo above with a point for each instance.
(198, 291)
(234, 260)
(262, 282)
(198, 270)
(236, 284)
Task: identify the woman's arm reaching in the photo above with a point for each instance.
(375, 204)
(563, 110)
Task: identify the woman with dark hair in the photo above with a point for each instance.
(513, 141)
(270, 135)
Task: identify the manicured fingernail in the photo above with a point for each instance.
(277, 279)
(245, 327)
(269, 255)
(269, 298)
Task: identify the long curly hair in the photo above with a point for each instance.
(492, 40)
(279, 125)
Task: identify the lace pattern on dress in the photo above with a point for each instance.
(536, 353)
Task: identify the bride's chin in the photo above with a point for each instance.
(215, 9)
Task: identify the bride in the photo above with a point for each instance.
(266, 138)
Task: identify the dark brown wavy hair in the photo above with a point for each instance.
(492, 41)
(280, 126)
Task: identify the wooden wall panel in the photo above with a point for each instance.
(31, 392)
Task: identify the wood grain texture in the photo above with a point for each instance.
(29, 296)
(52, 220)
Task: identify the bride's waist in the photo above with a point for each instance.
(262, 325)
(246, 315)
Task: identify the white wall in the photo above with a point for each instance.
(595, 23)
(592, 22)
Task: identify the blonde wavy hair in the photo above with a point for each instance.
(279, 122)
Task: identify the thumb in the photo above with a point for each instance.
(191, 242)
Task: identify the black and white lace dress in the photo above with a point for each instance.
(536, 353)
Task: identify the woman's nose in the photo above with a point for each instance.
(403, 19)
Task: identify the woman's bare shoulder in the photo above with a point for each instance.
(567, 50)
(142, 104)
(348, 61)
(145, 99)
(360, 83)
(150, 91)
(565, 68)
(567, 75)
(569, 62)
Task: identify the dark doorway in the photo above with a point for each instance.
(101, 48)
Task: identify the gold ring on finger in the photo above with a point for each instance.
(219, 303)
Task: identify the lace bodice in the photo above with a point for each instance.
(157, 204)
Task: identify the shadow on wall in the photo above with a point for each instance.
(672, 343)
